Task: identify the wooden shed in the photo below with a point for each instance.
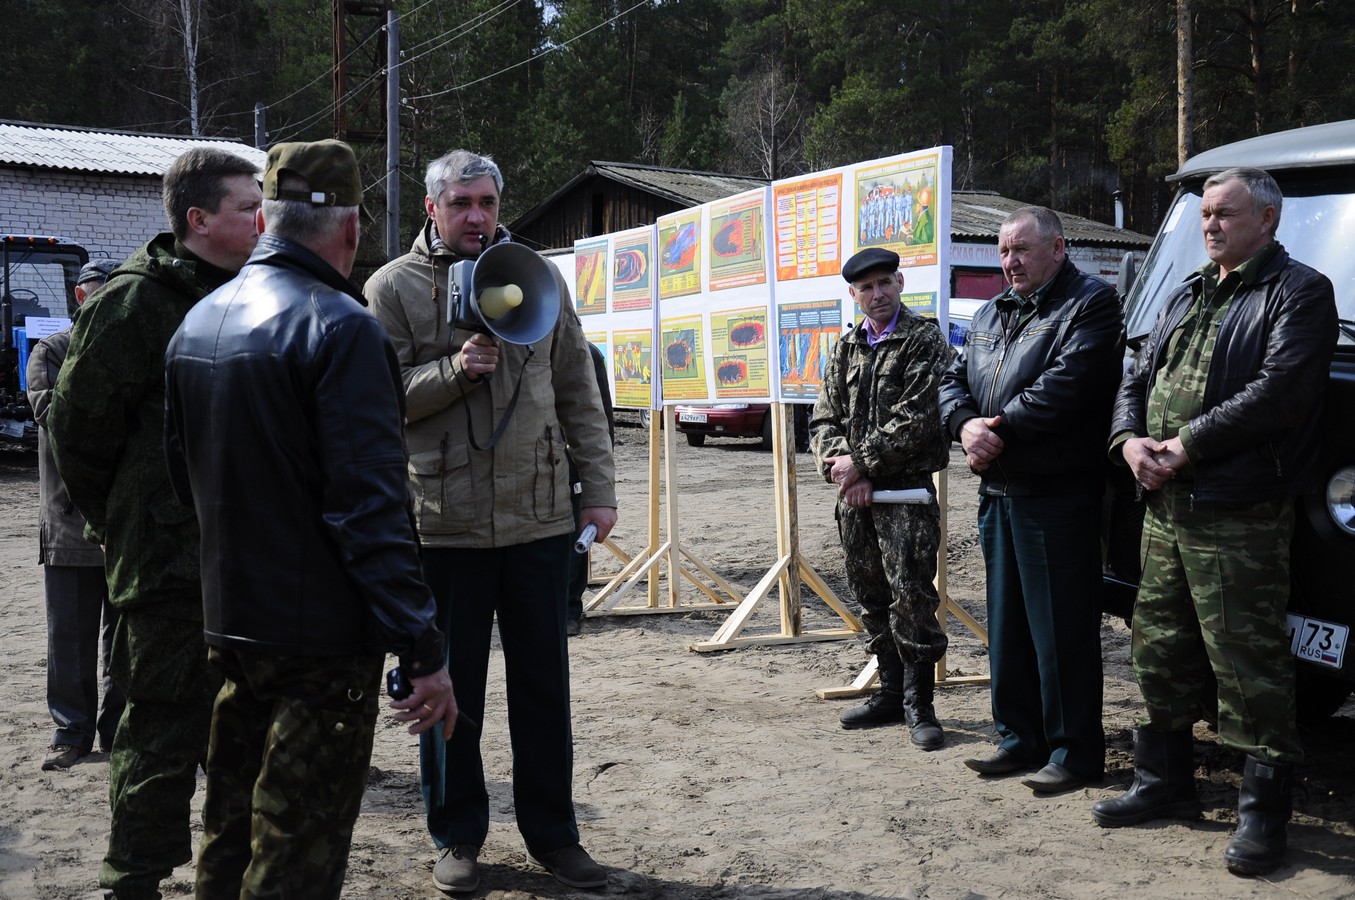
(607, 197)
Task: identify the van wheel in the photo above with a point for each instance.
(696, 440)
(1318, 696)
(767, 431)
(644, 419)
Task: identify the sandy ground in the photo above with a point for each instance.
(721, 775)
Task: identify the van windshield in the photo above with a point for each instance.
(1315, 227)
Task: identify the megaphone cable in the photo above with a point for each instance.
(507, 413)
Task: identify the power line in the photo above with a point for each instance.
(535, 56)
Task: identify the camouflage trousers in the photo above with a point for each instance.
(890, 552)
(291, 746)
(1212, 596)
(159, 661)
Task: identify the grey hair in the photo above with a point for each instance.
(1262, 188)
(461, 167)
(300, 221)
(1048, 225)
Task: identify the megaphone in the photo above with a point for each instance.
(509, 292)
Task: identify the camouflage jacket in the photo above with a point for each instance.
(107, 425)
(880, 405)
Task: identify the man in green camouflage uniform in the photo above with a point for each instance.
(1218, 420)
(875, 427)
(107, 426)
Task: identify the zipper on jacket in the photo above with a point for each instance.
(442, 474)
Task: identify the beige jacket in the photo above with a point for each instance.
(518, 491)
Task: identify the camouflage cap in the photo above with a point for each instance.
(328, 168)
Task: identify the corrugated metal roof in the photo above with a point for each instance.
(682, 185)
(979, 214)
(113, 152)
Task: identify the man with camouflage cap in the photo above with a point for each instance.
(1218, 419)
(107, 427)
(875, 428)
(310, 564)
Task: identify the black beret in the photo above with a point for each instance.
(869, 259)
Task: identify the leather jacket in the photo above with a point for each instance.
(283, 429)
(1051, 379)
(1258, 435)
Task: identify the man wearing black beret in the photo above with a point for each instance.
(875, 427)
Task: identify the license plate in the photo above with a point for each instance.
(1317, 641)
(698, 418)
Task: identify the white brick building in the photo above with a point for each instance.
(100, 189)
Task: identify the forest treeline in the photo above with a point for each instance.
(1059, 102)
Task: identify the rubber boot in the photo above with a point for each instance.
(1263, 808)
(918, 688)
(1164, 782)
(884, 707)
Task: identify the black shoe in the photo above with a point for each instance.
(458, 871)
(1055, 779)
(571, 865)
(883, 708)
(1000, 762)
(573, 626)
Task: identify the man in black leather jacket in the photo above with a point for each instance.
(1218, 420)
(1029, 399)
(284, 419)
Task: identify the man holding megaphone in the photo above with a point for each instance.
(496, 373)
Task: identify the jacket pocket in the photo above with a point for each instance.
(550, 496)
(443, 491)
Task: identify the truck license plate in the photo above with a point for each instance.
(1317, 641)
(698, 418)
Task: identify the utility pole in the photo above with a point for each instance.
(361, 50)
(1185, 84)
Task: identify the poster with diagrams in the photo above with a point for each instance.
(590, 277)
(901, 203)
(806, 333)
(715, 344)
(627, 329)
(679, 254)
(808, 226)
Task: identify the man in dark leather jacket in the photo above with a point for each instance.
(283, 429)
(1029, 398)
(1217, 418)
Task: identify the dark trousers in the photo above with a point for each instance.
(578, 562)
(524, 585)
(77, 601)
(1043, 561)
(290, 749)
(160, 662)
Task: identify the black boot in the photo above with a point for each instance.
(1263, 808)
(1164, 782)
(918, 688)
(884, 707)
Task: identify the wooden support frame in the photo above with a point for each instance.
(790, 571)
(657, 552)
(868, 680)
